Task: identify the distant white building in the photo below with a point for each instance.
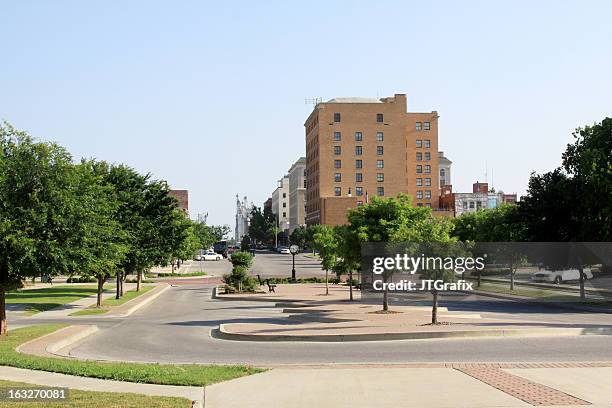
(243, 217)
(280, 203)
(445, 170)
(297, 194)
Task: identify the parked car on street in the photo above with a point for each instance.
(283, 250)
(211, 256)
(198, 257)
(565, 275)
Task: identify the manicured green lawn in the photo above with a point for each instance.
(90, 399)
(109, 303)
(170, 374)
(39, 300)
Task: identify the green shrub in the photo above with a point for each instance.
(81, 279)
(239, 279)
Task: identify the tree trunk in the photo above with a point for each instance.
(385, 295)
(123, 275)
(351, 286)
(582, 292)
(511, 277)
(434, 308)
(326, 283)
(117, 289)
(479, 275)
(3, 322)
(138, 279)
(100, 288)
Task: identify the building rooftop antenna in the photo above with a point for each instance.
(313, 101)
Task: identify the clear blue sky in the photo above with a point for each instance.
(210, 96)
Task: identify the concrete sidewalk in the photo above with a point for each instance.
(414, 387)
(93, 384)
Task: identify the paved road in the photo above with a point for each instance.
(266, 264)
(176, 328)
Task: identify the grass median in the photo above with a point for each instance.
(108, 304)
(166, 374)
(93, 399)
(40, 300)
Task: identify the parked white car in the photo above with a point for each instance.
(560, 276)
(284, 250)
(197, 257)
(211, 256)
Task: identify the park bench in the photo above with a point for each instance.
(271, 286)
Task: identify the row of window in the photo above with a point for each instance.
(419, 169)
(419, 156)
(380, 177)
(359, 151)
(380, 118)
(359, 191)
(419, 194)
(380, 164)
(423, 143)
(422, 126)
(380, 136)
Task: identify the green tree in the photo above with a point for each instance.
(299, 236)
(325, 241)
(588, 161)
(97, 241)
(239, 280)
(263, 225)
(35, 198)
(379, 221)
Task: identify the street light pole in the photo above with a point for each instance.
(294, 250)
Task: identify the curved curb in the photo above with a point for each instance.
(142, 300)
(48, 346)
(222, 333)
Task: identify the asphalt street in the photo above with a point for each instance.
(176, 328)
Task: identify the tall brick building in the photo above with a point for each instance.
(357, 148)
(182, 197)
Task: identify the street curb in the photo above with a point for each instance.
(71, 340)
(580, 308)
(142, 300)
(52, 348)
(222, 333)
(216, 295)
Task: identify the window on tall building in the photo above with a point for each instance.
(419, 143)
(337, 117)
(427, 156)
(358, 177)
(358, 150)
(337, 164)
(419, 194)
(419, 126)
(358, 164)
(419, 168)
(427, 143)
(337, 191)
(427, 169)
(380, 177)
(284, 215)
(284, 195)
(359, 203)
(284, 205)
(337, 150)
(379, 150)
(359, 191)
(337, 136)
(380, 136)
(427, 204)
(419, 156)
(380, 164)
(419, 182)
(442, 173)
(428, 182)
(471, 204)
(380, 191)
(428, 194)
(426, 126)
(358, 136)
(337, 177)
(379, 118)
